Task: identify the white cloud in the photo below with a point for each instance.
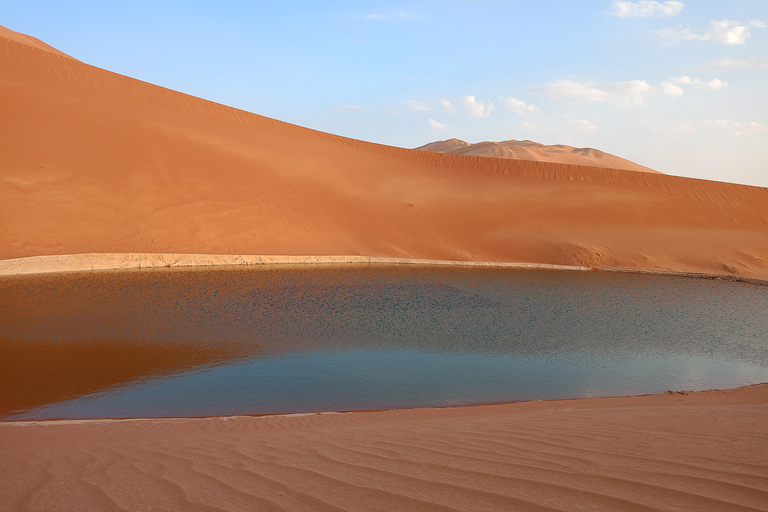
(739, 129)
(721, 31)
(751, 62)
(519, 106)
(633, 92)
(447, 106)
(672, 87)
(418, 106)
(347, 107)
(584, 125)
(717, 126)
(477, 108)
(646, 9)
(572, 92)
(437, 126)
(714, 84)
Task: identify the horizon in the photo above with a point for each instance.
(674, 86)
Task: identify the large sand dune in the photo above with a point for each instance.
(95, 162)
(529, 150)
(704, 451)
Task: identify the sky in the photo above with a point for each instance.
(679, 86)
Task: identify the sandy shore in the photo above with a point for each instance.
(693, 451)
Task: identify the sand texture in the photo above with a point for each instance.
(529, 150)
(705, 451)
(95, 162)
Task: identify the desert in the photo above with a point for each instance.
(104, 173)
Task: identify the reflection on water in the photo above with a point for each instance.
(238, 341)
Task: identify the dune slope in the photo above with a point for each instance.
(529, 150)
(95, 162)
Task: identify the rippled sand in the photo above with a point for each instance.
(698, 451)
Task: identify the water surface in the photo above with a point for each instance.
(191, 342)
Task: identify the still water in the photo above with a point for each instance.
(198, 342)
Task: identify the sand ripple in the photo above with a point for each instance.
(700, 451)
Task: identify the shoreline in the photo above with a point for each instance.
(552, 404)
(127, 261)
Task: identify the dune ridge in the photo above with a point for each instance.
(678, 451)
(94, 162)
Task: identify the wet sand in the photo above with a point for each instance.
(692, 451)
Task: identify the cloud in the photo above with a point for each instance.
(673, 86)
(347, 107)
(447, 106)
(717, 126)
(721, 31)
(584, 125)
(713, 85)
(751, 62)
(418, 106)
(633, 92)
(739, 129)
(437, 126)
(519, 106)
(568, 91)
(477, 108)
(646, 9)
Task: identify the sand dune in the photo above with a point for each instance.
(95, 162)
(529, 150)
(698, 451)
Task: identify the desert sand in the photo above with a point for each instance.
(103, 170)
(98, 163)
(705, 451)
(529, 150)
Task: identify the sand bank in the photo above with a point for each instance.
(97, 261)
(691, 451)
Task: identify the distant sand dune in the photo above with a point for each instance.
(95, 162)
(529, 150)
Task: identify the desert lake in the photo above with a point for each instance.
(242, 340)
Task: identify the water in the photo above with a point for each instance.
(192, 342)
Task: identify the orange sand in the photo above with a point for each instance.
(705, 451)
(95, 162)
(529, 150)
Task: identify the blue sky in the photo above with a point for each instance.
(679, 86)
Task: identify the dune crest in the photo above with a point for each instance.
(95, 162)
(529, 150)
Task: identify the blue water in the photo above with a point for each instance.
(254, 341)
